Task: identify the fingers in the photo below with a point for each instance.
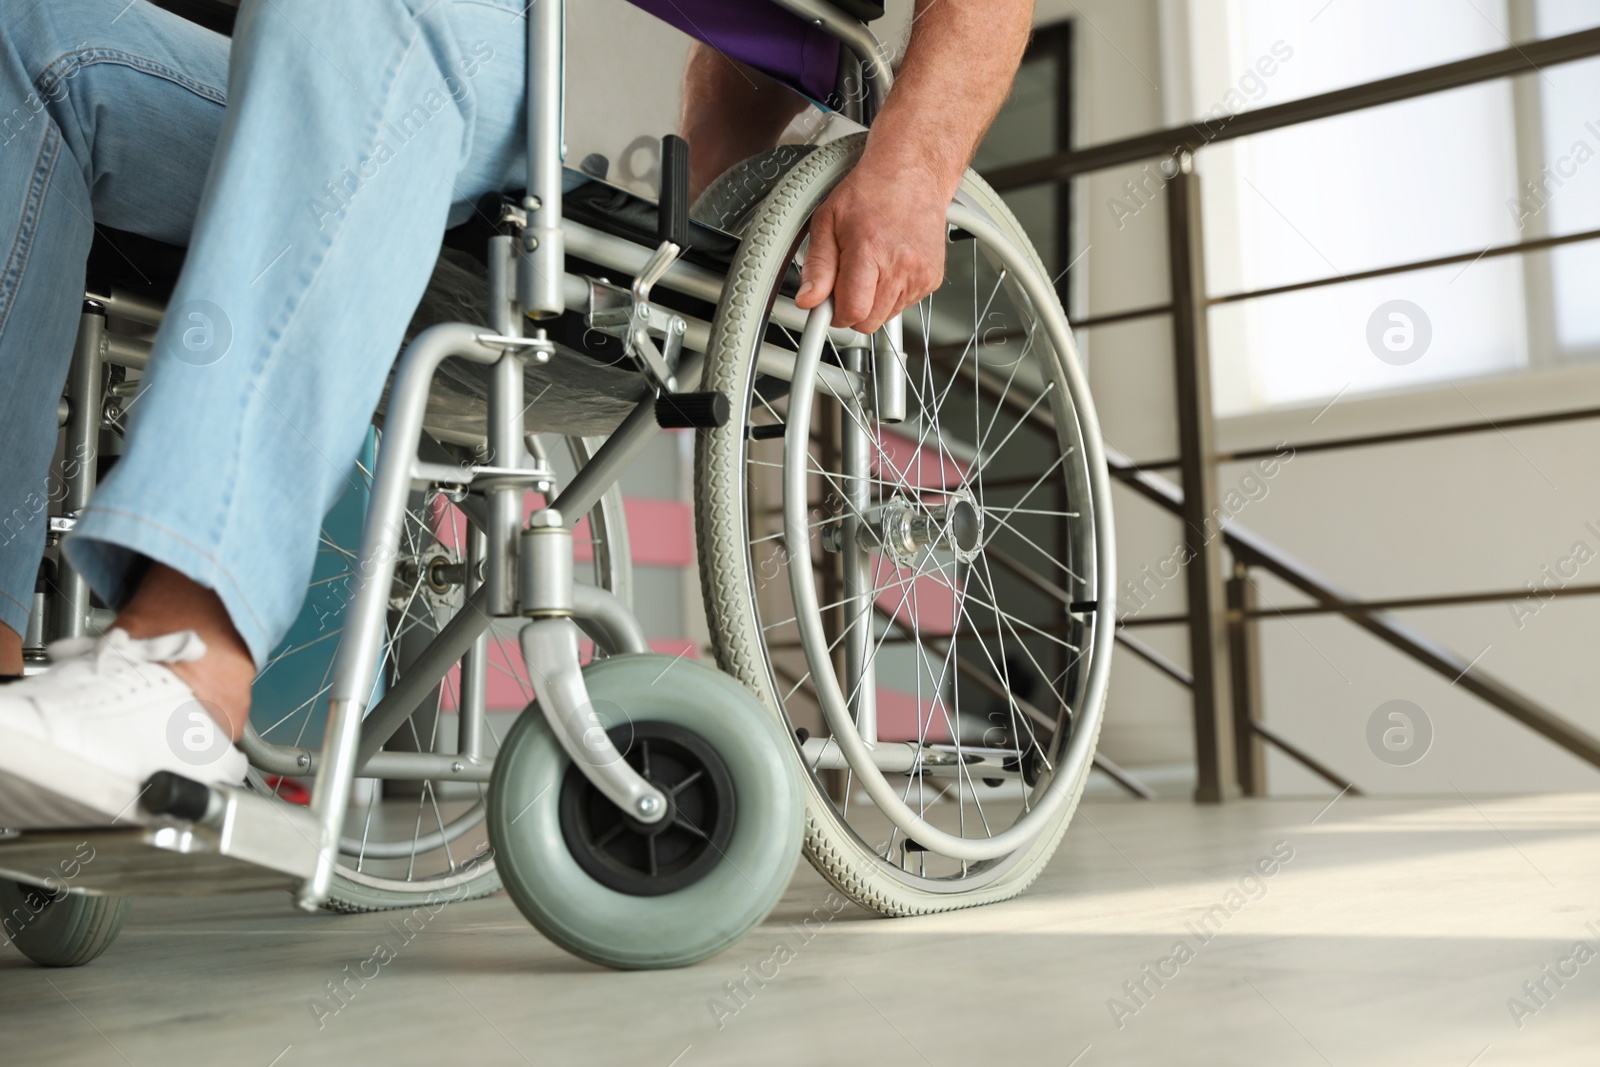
(857, 290)
(925, 279)
(899, 287)
(889, 299)
(822, 262)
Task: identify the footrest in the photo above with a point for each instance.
(252, 843)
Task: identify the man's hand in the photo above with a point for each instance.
(878, 241)
(877, 245)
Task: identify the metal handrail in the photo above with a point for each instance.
(1543, 418)
(1352, 607)
(1156, 660)
(1304, 758)
(1528, 58)
(1111, 318)
(1444, 600)
(1258, 551)
(1536, 244)
(1389, 437)
(1040, 583)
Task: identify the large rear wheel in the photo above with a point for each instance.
(918, 594)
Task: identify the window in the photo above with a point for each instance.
(1431, 177)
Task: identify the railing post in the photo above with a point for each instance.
(1216, 774)
(1244, 651)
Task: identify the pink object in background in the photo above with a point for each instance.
(901, 717)
(917, 465)
(660, 533)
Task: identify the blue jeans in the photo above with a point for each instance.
(312, 204)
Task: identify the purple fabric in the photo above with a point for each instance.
(760, 34)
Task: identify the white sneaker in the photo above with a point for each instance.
(79, 740)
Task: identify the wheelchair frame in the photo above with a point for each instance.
(231, 839)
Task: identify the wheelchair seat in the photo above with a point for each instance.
(141, 265)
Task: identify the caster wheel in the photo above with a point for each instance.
(67, 930)
(632, 895)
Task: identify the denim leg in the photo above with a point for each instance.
(101, 104)
(354, 132)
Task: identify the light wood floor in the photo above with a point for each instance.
(1396, 934)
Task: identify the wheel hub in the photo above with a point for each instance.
(907, 526)
(649, 859)
(436, 574)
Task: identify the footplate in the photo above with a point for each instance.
(250, 842)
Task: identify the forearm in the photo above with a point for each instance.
(957, 72)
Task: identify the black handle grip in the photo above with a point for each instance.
(698, 411)
(674, 210)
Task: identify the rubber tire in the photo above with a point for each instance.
(68, 932)
(675, 929)
(729, 201)
(769, 235)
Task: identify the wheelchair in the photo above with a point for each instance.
(905, 552)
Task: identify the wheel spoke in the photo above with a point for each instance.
(1035, 546)
(690, 828)
(686, 783)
